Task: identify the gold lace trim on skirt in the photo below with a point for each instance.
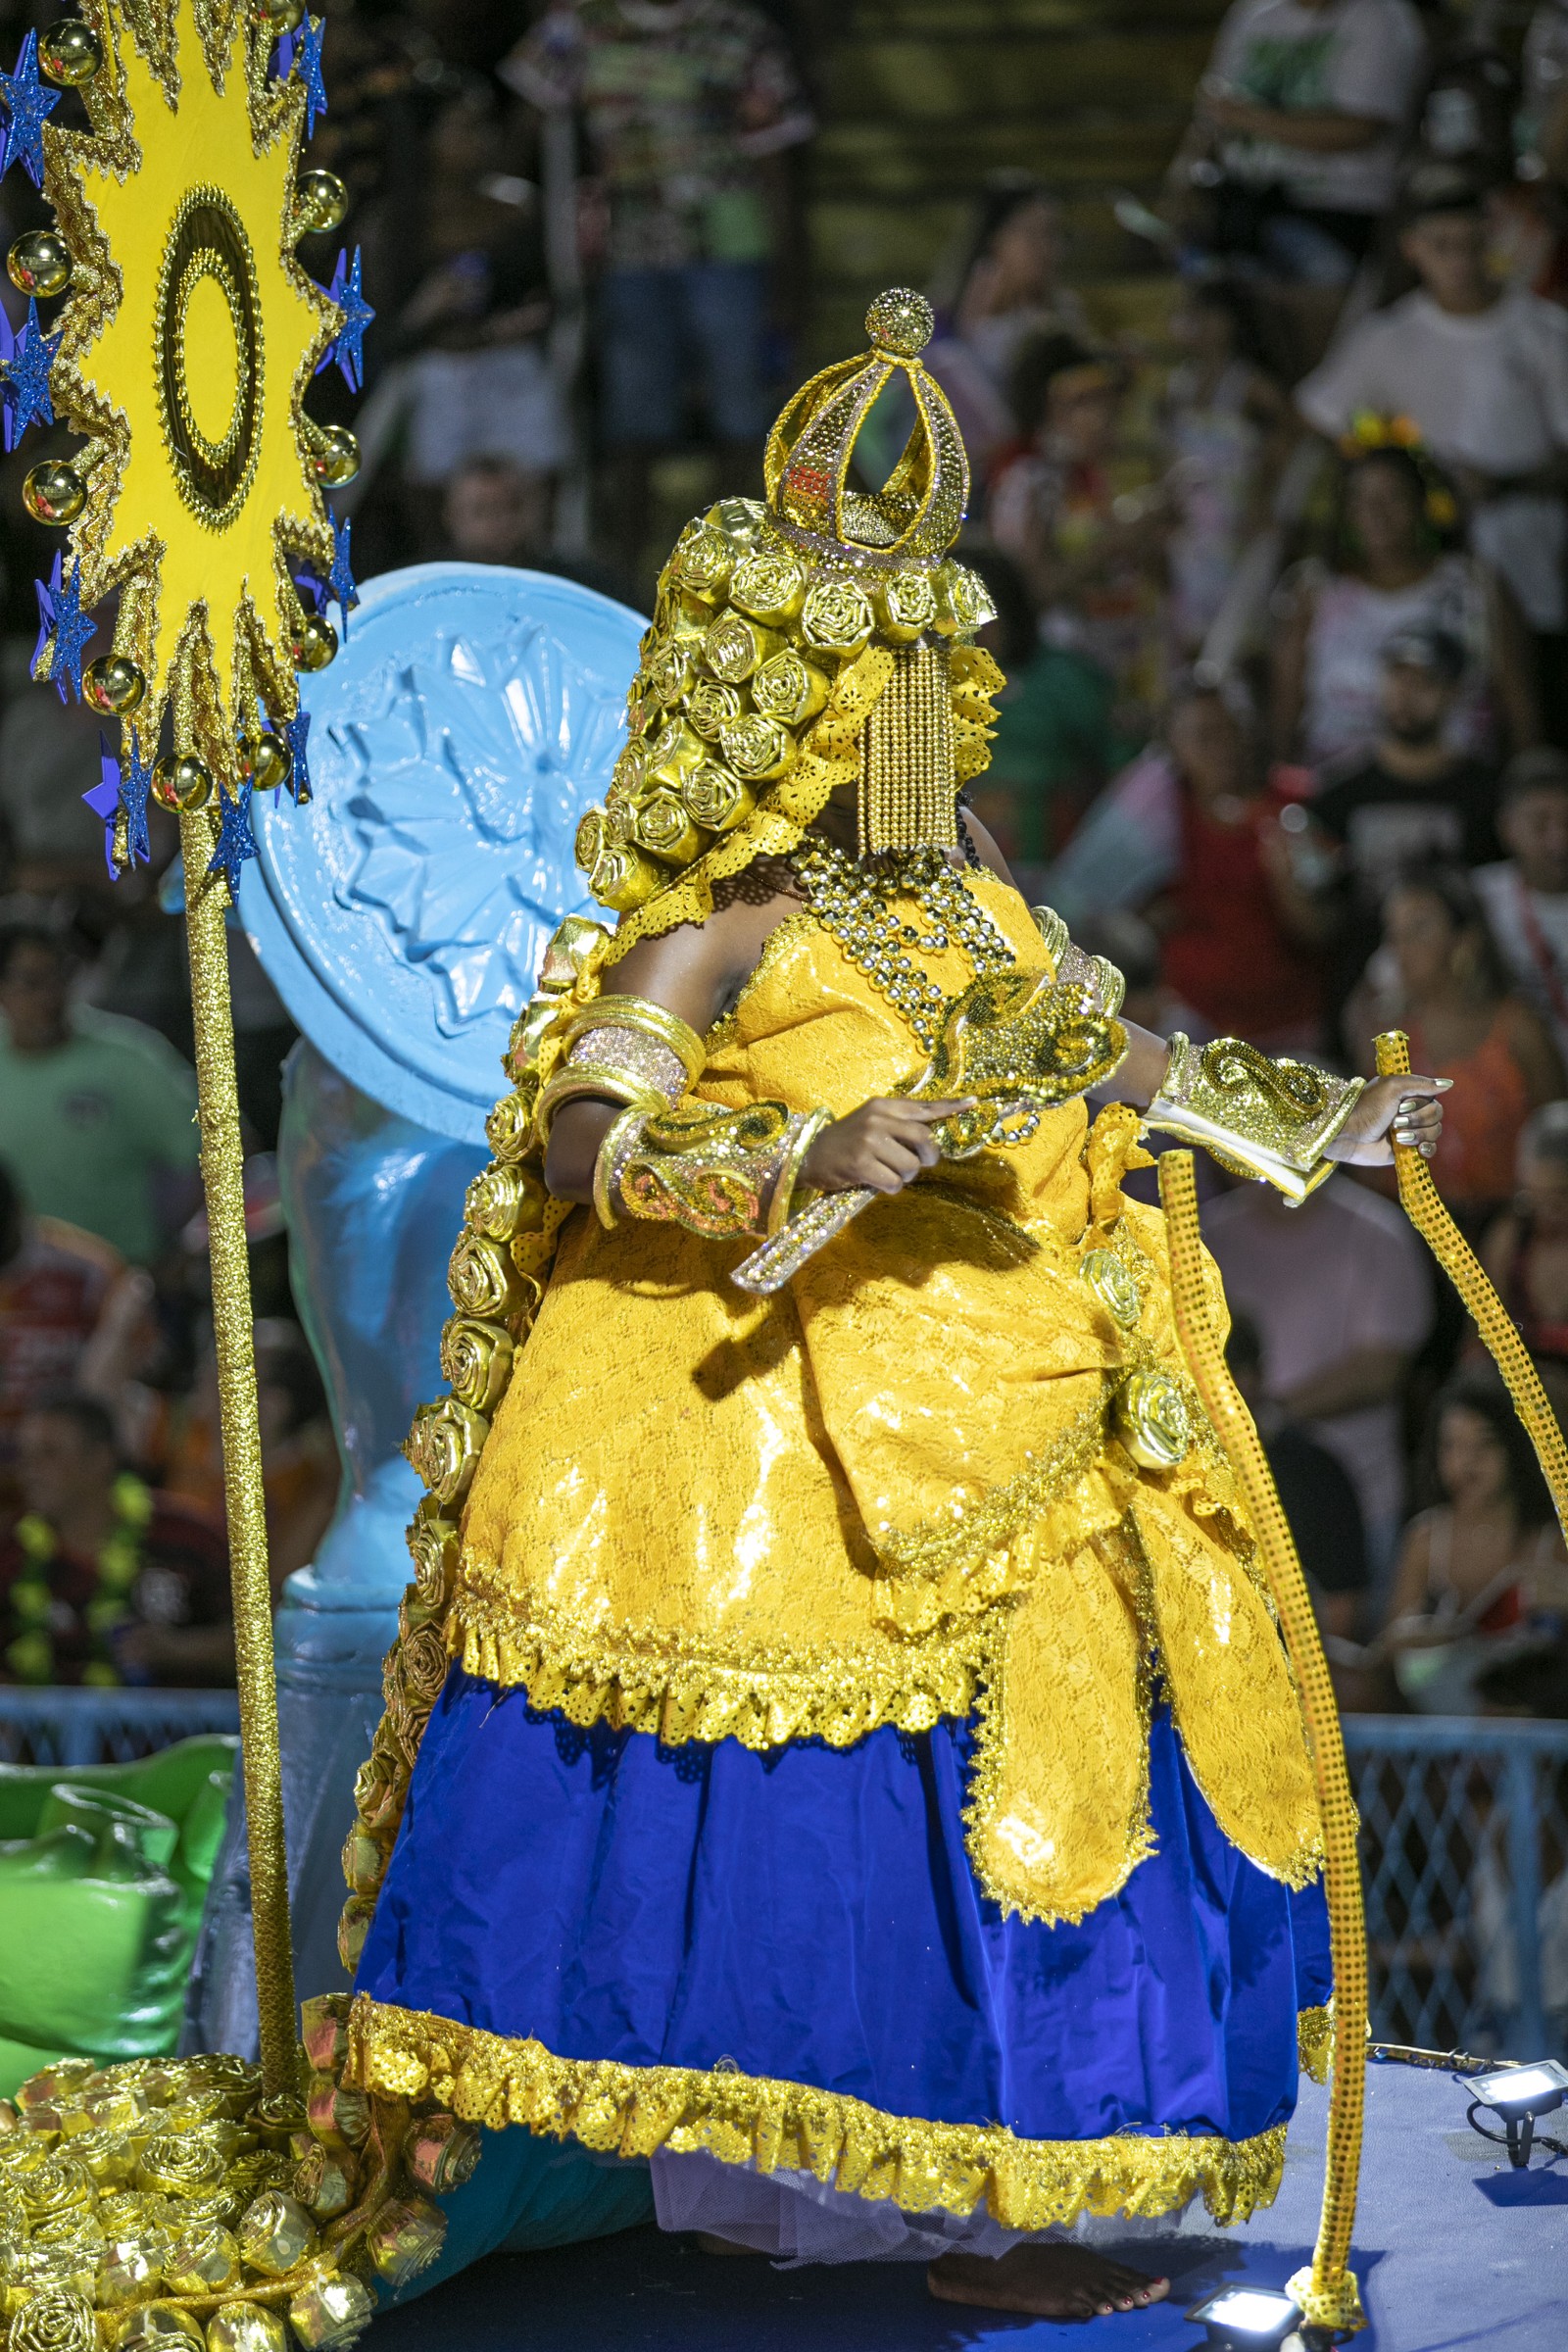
(751, 2119)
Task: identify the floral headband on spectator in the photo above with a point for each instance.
(1371, 435)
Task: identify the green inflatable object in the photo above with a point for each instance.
(103, 1874)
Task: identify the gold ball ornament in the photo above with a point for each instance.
(69, 53)
(335, 459)
(323, 201)
(113, 685)
(265, 761)
(181, 781)
(283, 16)
(314, 642)
(246, 2328)
(157, 2327)
(54, 492)
(40, 264)
(900, 322)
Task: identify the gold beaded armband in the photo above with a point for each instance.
(716, 1171)
(622, 1049)
(1096, 974)
(1270, 1119)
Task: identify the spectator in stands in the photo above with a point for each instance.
(1009, 292)
(1526, 1252)
(1057, 735)
(481, 384)
(1225, 425)
(687, 106)
(1316, 1491)
(1482, 374)
(1408, 801)
(97, 1114)
(1192, 835)
(1473, 1569)
(1443, 982)
(58, 1286)
(301, 1473)
(102, 1582)
(1341, 1297)
(1092, 555)
(1525, 894)
(1395, 569)
(494, 511)
(1301, 114)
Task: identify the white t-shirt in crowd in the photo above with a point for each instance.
(1488, 391)
(1531, 929)
(1355, 57)
(1342, 1272)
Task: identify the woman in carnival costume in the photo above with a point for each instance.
(867, 1780)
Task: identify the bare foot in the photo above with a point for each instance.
(1053, 2282)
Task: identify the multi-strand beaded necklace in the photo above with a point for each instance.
(855, 902)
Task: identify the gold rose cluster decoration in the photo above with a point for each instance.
(165, 2206)
(183, 355)
(496, 1279)
(776, 632)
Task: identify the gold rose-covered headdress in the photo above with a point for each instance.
(798, 644)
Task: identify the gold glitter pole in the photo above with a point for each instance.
(1327, 2291)
(222, 1179)
(1422, 1205)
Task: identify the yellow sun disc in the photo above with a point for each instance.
(187, 347)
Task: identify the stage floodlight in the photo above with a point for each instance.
(1248, 2319)
(1517, 2095)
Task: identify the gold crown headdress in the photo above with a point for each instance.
(798, 644)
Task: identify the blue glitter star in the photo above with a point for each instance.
(297, 734)
(27, 362)
(340, 579)
(29, 106)
(235, 840)
(136, 782)
(72, 631)
(308, 58)
(104, 801)
(45, 591)
(349, 349)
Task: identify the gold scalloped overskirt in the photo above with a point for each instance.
(741, 2119)
(893, 1491)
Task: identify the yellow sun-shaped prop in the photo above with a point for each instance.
(185, 351)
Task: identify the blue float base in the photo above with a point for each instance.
(1453, 2250)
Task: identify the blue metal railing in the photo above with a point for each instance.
(105, 1726)
(1464, 1852)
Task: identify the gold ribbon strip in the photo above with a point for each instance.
(1422, 1205)
(1327, 2291)
(233, 1331)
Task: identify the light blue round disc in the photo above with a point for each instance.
(471, 717)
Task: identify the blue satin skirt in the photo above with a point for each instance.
(809, 1915)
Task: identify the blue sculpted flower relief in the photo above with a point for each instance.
(454, 742)
(472, 777)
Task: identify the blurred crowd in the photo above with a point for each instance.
(1282, 597)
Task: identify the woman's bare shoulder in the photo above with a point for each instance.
(695, 969)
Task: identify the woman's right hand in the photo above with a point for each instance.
(884, 1144)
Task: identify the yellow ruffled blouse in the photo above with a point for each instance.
(893, 1491)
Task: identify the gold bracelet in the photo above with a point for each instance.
(783, 1204)
(620, 1141)
(621, 1049)
(1270, 1119)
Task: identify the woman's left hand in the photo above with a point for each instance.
(1391, 1110)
